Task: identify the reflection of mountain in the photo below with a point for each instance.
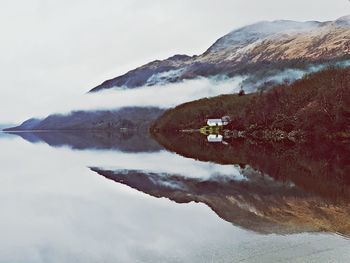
(287, 188)
(125, 129)
(258, 203)
(5, 135)
(321, 168)
(115, 140)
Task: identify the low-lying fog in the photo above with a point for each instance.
(165, 95)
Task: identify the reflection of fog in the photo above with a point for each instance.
(55, 210)
(259, 203)
(169, 163)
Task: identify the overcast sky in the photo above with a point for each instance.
(54, 49)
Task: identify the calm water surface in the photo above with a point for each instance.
(123, 202)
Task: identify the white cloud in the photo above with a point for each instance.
(163, 96)
(54, 50)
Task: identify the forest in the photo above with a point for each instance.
(316, 106)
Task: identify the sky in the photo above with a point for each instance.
(52, 51)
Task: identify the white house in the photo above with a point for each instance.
(218, 122)
(215, 122)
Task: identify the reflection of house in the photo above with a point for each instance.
(215, 138)
(218, 122)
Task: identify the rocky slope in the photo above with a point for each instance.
(273, 45)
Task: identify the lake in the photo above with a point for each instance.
(73, 197)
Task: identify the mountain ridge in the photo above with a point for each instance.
(265, 41)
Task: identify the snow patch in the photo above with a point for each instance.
(166, 77)
(258, 31)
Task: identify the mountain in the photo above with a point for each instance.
(129, 118)
(264, 46)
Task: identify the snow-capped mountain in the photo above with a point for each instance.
(252, 33)
(276, 42)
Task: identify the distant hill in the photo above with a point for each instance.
(4, 126)
(131, 119)
(264, 47)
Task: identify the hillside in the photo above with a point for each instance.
(130, 118)
(260, 47)
(316, 106)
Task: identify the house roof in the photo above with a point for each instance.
(215, 120)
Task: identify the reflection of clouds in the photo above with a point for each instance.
(163, 180)
(166, 163)
(53, 209)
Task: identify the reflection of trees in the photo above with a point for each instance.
(288, 188)
(319, 167)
